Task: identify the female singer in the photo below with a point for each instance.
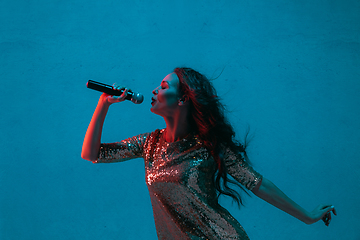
(187, 163)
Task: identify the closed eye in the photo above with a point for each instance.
(164, 84)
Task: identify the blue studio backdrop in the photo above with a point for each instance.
(288, 69)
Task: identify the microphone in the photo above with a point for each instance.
(136, 98)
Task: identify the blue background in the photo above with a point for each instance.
(290, 70)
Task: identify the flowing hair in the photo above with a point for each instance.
(207, 115)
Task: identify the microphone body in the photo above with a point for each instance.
(136, 98)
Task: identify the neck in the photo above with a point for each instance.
(177, 128)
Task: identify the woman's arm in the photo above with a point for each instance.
(270, 193)
(91, 144)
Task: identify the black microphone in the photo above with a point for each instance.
(101, 87)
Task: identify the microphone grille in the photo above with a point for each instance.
(137, 98)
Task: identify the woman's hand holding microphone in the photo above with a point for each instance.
(110, 99)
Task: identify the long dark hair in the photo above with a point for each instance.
(212, 126)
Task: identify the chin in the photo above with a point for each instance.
(153, 110)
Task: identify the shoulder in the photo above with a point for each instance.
(157, 133)
(154, 136)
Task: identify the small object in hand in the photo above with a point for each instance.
(327, 218)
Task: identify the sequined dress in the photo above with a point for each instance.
(179, 177)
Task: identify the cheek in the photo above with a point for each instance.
(168, 98)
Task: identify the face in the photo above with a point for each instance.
(166, 96)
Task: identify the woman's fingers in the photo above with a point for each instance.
(327, 213)
(115, 99)
(327, 208)
(121, 88)
(123, 95)
(118, 87)
(327, 218)
(334, 211)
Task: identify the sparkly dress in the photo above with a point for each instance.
(179, 177)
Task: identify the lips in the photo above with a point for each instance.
(153, 100)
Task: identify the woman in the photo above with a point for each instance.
(187, 163)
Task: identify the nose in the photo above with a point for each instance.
(155, 91)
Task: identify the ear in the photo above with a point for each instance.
(183, 100)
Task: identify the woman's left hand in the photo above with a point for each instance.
(322, 212)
